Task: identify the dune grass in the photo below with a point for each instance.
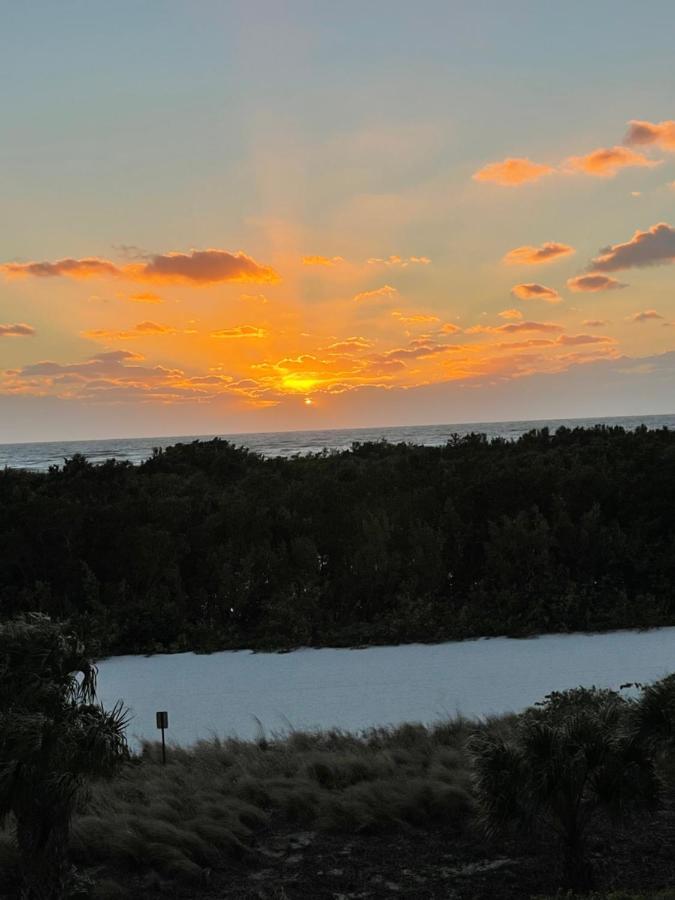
(207, 806)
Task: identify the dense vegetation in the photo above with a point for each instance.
(207, 545)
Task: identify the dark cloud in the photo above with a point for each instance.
(660, 134)
(206, 267)
(594, 284)
(647, 315)
(653, 247)
(196, 267)
(18, 329)
(88, 267)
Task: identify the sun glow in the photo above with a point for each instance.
(299, 383)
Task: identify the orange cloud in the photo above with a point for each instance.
(595, 323)
(516, 327)
(153, 328)
(386, 292)
(605, 162)
(18, 329)
(419, 349)
(523, 345)
(593, 284)
(510, 314)
(660, 134)
(646, 315)
(306, 362)
(532, 256)
(322, 260)
(653, 247)
(533, 291)
(241, 331)
(574, 340)
(349, 345)
(197, 267)
(512, 171)
(143, 329)
(414, 318)
(401, 261)
(146, 297)
(450, 328)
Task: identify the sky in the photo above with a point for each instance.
(224, 217)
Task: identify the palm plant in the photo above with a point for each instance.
(653, 715)
(53, 735)
(570, 759)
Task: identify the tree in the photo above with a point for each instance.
(570, 759)
(53, 735)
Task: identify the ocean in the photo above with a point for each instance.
(39, 456)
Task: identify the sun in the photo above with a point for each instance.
(309, 401)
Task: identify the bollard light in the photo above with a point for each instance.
(163, 723)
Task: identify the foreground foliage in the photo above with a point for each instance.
(206, 545)
(571, 758)
(52, 736)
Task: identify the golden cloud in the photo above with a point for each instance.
(143, 329)
(386, 292)
(605, 162)
(510, 314)
(574, 340)
(322, 260)
(533, 291)
(349, 345)
(532, 256)
(414, 318)
(240, 331)
(512, 171)
(146, 297)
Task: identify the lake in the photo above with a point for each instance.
(243, 693)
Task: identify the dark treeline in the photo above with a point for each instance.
(207, 545)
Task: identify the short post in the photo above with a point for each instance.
(163, 722)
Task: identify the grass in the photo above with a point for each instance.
(203, 810)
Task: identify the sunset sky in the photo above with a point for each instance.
(253, 216)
